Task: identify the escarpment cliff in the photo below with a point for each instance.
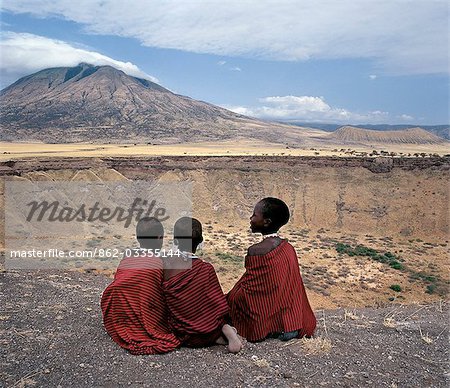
(380, 196)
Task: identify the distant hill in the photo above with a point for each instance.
(349, 134)
(439, 130)
(89, 103)
(100, 104)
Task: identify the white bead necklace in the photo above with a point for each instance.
(270, 235)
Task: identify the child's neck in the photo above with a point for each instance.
(188, 255)
(270, 234)
(188, 249)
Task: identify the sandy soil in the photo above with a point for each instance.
(10, 151)
(51, 334)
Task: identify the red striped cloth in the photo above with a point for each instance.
(133, 307)
(197, 305)
(270, 296)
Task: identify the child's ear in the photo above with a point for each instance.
(267, 221)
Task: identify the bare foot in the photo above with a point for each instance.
(234, 343)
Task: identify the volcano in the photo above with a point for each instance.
(89, 103)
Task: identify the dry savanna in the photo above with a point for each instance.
(368, 230)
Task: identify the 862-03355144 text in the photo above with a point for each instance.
(115, 253)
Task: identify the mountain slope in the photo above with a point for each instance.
(101, 103)
(349, 134)
(439, 130)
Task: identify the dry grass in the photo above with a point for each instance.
(389, 322)
(260, 362)
(350, 315)
(226, 147)
(425, 337)
(27, 381)
(316, 346)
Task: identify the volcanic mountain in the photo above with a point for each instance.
(354, 135)
(89, 103)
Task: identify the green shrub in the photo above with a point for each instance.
(361, 250)
(395, 287)
(431, 288)
(395, 264)
(424, 276)
(381, 258)
(343, 248)
(228, 257)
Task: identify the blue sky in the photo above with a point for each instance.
(346, 61)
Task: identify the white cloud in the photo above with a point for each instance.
(23, 54)
(307, 108)
(232, 68)
(401, 36)
(405, 117)
(373, 76)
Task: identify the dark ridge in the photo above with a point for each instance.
(144, 82)
(89, 71)
(72, 72)
(150, 85)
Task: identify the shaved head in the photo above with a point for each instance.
(188, 233)
(276, 210)
(150, 233)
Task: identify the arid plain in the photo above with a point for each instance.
(234, 147)
(369, 229)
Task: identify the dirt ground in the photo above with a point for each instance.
(51, 335)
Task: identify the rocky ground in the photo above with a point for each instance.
(51, 335)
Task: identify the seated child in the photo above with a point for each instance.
(197, 306)
(270, 300)
(133, 306)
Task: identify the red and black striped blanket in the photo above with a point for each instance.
(270, 297)
(134, 310)
(196, 303)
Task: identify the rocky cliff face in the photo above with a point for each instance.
(406, 198)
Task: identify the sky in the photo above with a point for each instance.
(325, 61)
